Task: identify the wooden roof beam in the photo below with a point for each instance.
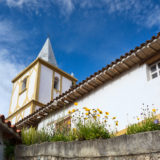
(104, 76)
(68, 99)
(101, 78)
(77, 93)
(83, 89)
(115, 70)
(98, 80)
(90, 86)
(80, 91)
(108, 74)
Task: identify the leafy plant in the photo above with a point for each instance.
(86, 125)
(92, 130)
(149, 122)
(32, 136)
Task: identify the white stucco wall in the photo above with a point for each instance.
(66, 83)
(45, 87)
(122, 97)
(45, 84)
(21, 99)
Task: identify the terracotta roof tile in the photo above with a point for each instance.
(93, 75)
(8, 123)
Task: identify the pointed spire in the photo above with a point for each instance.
(47, 53)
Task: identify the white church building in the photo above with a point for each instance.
(43, 93)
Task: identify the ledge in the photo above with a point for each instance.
(125, 145)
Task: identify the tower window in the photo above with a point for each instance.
(56, 83)
(155, 70)
(24, 84)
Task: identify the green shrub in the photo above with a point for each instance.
(149, 122)
(83, 131)
(32, 136)
(92, 130)
(89, 124)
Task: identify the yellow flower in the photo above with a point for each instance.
(86, 113)
(69, 112)
(85, 118)
(138, 118)
(74, 129)
(98, 109)
(107, 113)
(116, 123)
(69, 122)
(153, 110)
(100, 112)
(98, 115)
(76, 104)
(73, 110)
(95, 117)
(114, 118)
(84, 107)
(106, 117)
(105, 121)
(87, 109)
(94, 111)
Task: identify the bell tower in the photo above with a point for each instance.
(38, 84)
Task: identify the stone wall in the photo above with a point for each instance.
(142, 146)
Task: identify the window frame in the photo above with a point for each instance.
(156, 71)
(21, 85)
(56, 80)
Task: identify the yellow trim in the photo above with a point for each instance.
(121, 132)
(56, 69)
(25, 70)
(53, 77)
(18, 111)
(35, 66)
(11, 100)
(37, 83)
(49, 66)
(24, 107)
(17, 106)
(31, 108)
(37, 103)
(22, 91)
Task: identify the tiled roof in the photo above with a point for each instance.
(115, 68)
(9, 128)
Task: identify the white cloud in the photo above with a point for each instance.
(141, 12)
(8, 70)
(9, 33)
(21, 3)
(66, 6)
(9, 36)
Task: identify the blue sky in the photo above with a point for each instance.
(86, 35)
